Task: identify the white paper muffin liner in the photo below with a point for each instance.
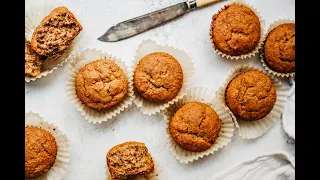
(156, 175)
(60, 166)
(204, 95)
(262, 58)
(36, 10)
(148, 46)
(262, 24)
(254, 129)
(78, 61)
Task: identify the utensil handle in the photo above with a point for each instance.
(201, 3)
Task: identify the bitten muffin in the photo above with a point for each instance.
(279, 48)
(235, 30)
(250, 95)
(55, 33)
(129, 159)
(33, 64)
(195, 126)
(158, 77)
(101, 84)
(40, 152)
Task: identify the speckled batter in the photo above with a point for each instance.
(129, 159)
(33, 64)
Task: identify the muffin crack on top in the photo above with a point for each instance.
(101, 84)
(250, 95)
(40, 151)
(279, 48)
(235, 30)
(195, 126)
(158, 77)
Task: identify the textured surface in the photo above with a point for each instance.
(101, 84)
(279, 48)
(129, 159)
(55, 33)
(89, 143)
(41, 151)
(251, 95)
(195, 126)
(33, 64)
(235, 30)
(158, 77)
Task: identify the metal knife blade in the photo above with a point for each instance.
(142, 23)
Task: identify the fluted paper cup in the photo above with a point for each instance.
(262, 57)
(204, 95)
(254, 129)
(149, 46)
(35, 11)
(78, 61)
(60, 166)
(262, 24)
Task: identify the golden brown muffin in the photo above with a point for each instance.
(158, 77)
(235, 30)
(101, 84)
(250, 95)
(55, 33)
(129, 159)
(33, 64)
(195, 126)
(279, 48)
(40, 152)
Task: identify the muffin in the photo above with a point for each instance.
(33, 64)
(158, 77)
(129, 159)
(55, 33)
(279, 48)
(250, 95)
(40, 152)
(195, 126)
(101, 84)
(235, 30)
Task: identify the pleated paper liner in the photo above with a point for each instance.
(148, 46)
(156, 175)
(77, 62)
(204, 95)
(262, 57)
(254, 129)
(262, 24)
(60, 166)
(36, 10)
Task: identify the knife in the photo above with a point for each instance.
(145, 22)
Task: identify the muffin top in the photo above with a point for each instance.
(33, 64)
(158, 77)
(195, 126)
(40, 151)
(235, 30)
(279, 48)
(129, 159)
(250, 95)
(101, 84)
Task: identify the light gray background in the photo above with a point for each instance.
(90, 143)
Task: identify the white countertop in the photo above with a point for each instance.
(90, 143)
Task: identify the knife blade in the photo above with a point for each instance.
(148, 21)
